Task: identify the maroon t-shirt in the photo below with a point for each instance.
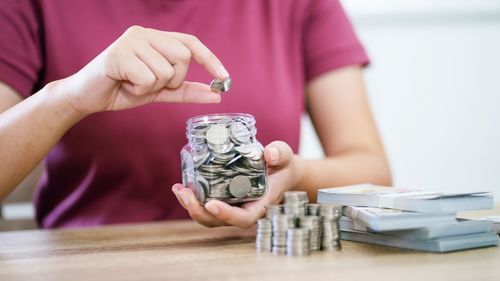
(117, 167)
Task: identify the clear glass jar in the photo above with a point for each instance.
(223, 160)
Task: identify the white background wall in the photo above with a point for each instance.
(434, 85)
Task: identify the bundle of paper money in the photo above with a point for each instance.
(494, 220)
(411, 219)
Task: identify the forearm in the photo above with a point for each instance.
(346, 168)
(342, 117)
(29, 130)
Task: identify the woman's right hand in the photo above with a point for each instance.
(142, 66)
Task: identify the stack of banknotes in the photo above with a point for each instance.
(412, 219)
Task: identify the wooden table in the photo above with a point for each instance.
(183, 250)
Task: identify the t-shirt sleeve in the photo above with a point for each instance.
(329, 39)
(20, 47)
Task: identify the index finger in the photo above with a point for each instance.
(202, 55)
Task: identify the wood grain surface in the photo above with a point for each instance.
(184, 250)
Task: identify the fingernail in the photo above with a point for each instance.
(274, 154)
(184, 198)
(222, 71)
(212, 209)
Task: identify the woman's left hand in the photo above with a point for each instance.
(283, 174)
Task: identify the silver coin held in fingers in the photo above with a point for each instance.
(221, 86)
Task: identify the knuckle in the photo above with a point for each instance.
(224, 217)
(164, 76)
(281, 145)
(184, 55)
(149, 80)
(112, 55)
(168, 73)
(143, 88)
(134, 29)
(173, 84)
(192, 39)
(278, 143)
(138, 91)
(109, 63)
(185, 91)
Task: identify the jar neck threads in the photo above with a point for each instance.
(221, 129)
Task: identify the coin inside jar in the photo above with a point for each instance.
(239, 133)
(240, 186)
(221, 86)
(217, 134)
(226, 158)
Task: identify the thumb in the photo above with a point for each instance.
(188, 92)
(278, 153)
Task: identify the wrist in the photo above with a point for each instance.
(54, 94)
(300, 167)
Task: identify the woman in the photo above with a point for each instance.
(106, 113)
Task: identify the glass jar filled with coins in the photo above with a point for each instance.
(223, 160)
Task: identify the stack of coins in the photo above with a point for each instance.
(295, 203)
(312, 209)
(280, 225)
(264, 231)
(297, 242)
(226, 160)
(298, 228)
(272, 210)
(330, 214)
(313, 224)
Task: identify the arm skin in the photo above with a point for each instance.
(341, 114)
(342, 117)
(140, 67)
(28, 130)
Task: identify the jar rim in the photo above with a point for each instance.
(214, 116)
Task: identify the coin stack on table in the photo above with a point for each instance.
(295, 203)
(312, 209)
(272, 210)
(280, 225)
(297, 242)
(264, 232)
(331, 213)
(313, 224)
(297, 225)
